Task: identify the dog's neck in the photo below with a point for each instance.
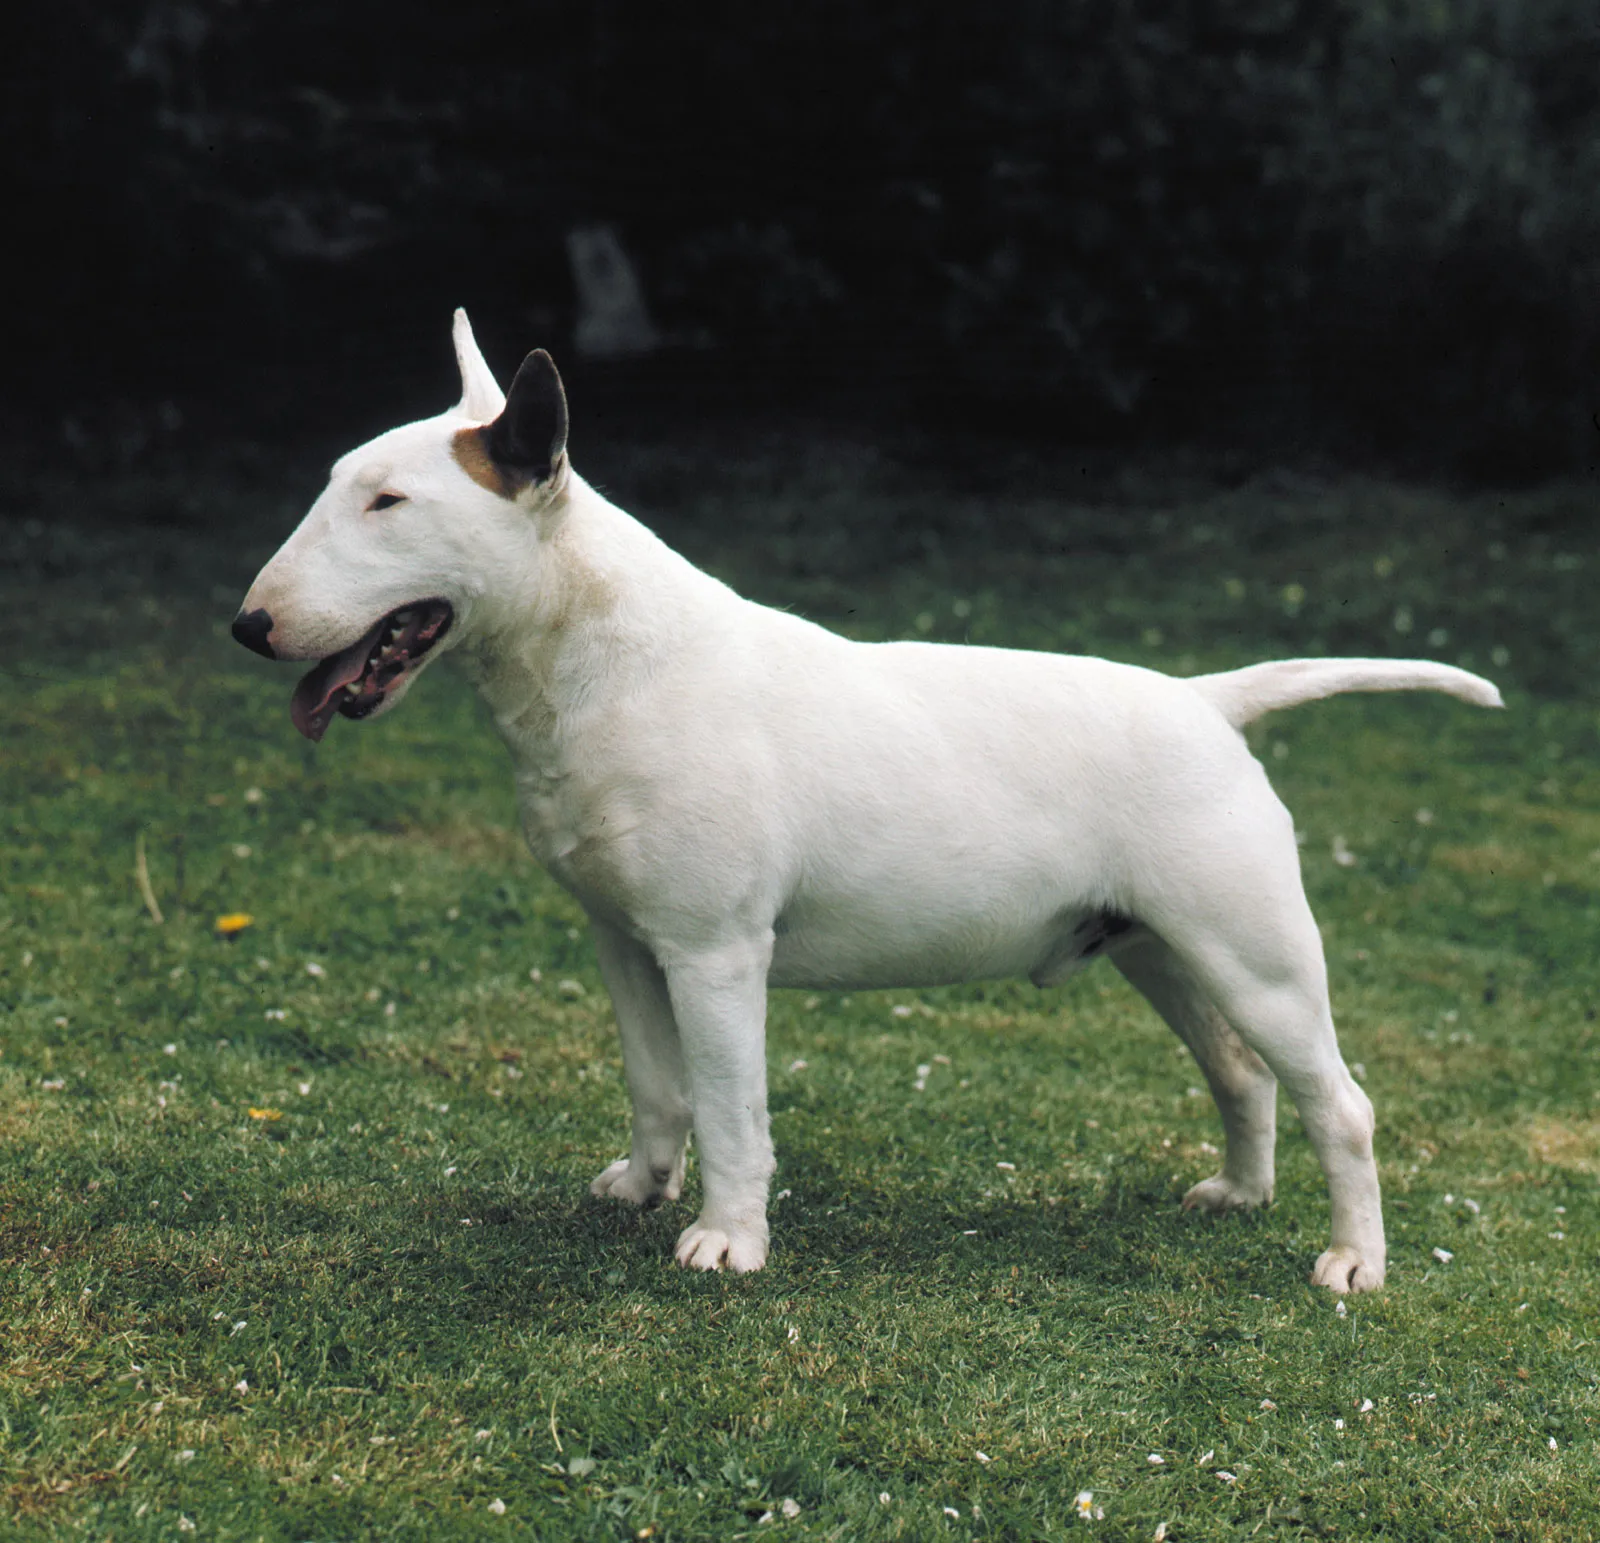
(598, 605)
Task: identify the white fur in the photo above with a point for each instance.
(741, 799)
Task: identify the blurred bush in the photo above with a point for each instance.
(1102, 213)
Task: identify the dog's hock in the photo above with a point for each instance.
(528, 439)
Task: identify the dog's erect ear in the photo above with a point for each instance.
(527, 440)
(481, 396)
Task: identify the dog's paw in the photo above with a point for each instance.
(1348, 1269)
(1220, 1193)
(737, 1248)
(638, 1186)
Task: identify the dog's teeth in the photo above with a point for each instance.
(402, 618)
(354, 688)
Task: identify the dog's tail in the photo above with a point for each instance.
(1242, 696)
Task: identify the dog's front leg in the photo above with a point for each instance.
(652, 1060)
(719, 998)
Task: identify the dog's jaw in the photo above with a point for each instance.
(372, 674)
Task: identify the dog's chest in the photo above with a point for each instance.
(576, 833)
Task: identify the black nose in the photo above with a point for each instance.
(251, 629)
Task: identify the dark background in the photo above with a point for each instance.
(1363, 231)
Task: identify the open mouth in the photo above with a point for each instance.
(355, 681)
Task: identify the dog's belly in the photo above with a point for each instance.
(862, 948)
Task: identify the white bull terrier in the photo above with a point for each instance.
(740, 800)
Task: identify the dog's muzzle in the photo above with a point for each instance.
(251, 628)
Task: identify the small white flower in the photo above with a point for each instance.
(241, 1386)
(764, 1517)
(241, 851)
(1339, 1308)
(237, 1327)
(1160, 1534)
(313, 968)
(1522, 1307)
(185, 1524)
(1552, 1444)
(1083, 1503)
(794, 1334)
(1338, 1424)
(1424, 817)
(1156, 1460)
(883, 1497)
(481, 1435)
(388, 1009)
(797, 1066)
(186, 1455)
(1366, 1406)
(1473, 1206)
(1443, 1255)
(1561, 1210)
(1205, 1459)
(169, 1050)
(1226, 1477)
(1558, 1236)
(275, 1014)
(303, 1089)
(790, 1508)
(569, 988)
(900, 1010)
(449, 1171)
(925, 1070)
(497, 1507)
(983, 1457)
(951, 1511)
(1007, 1167)
(1208, 1149)
(1342, 854)
(1268, 1405)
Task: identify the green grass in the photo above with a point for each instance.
(395, 1304)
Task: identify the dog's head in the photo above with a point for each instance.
(415, 532)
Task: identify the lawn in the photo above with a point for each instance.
(295, 1237)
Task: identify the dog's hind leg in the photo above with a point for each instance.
(1245, 1090)
(652, 1060)
(1265, 973)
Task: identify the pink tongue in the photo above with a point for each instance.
(316, 698)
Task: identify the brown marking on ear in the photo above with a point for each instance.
(471, 452)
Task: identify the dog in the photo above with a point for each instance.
(741, 799)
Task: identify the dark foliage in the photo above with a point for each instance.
(1109, 213)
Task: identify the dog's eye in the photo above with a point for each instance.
(386, 501)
